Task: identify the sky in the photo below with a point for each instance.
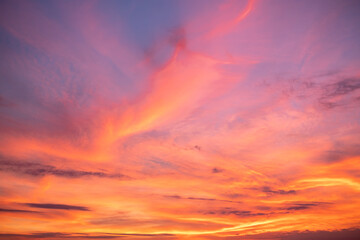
(180, 120)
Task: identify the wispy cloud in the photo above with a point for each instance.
(39, 170)
(56, 206)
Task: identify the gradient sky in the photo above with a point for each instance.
(191, 119)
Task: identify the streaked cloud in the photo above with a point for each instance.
(56, 206)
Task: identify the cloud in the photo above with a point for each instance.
(348, 234)
(205, 106)
(39, 170)
(229, 211)
(57, 206)
(267, 189)
(17, 211)
(340, 152)
(303, 206)
(342, 87)
(60, 235)
(216, 170)
(201, 199)
(339, 93)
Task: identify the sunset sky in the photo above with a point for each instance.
(180, 119)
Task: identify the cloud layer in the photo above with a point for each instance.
(179, 119)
